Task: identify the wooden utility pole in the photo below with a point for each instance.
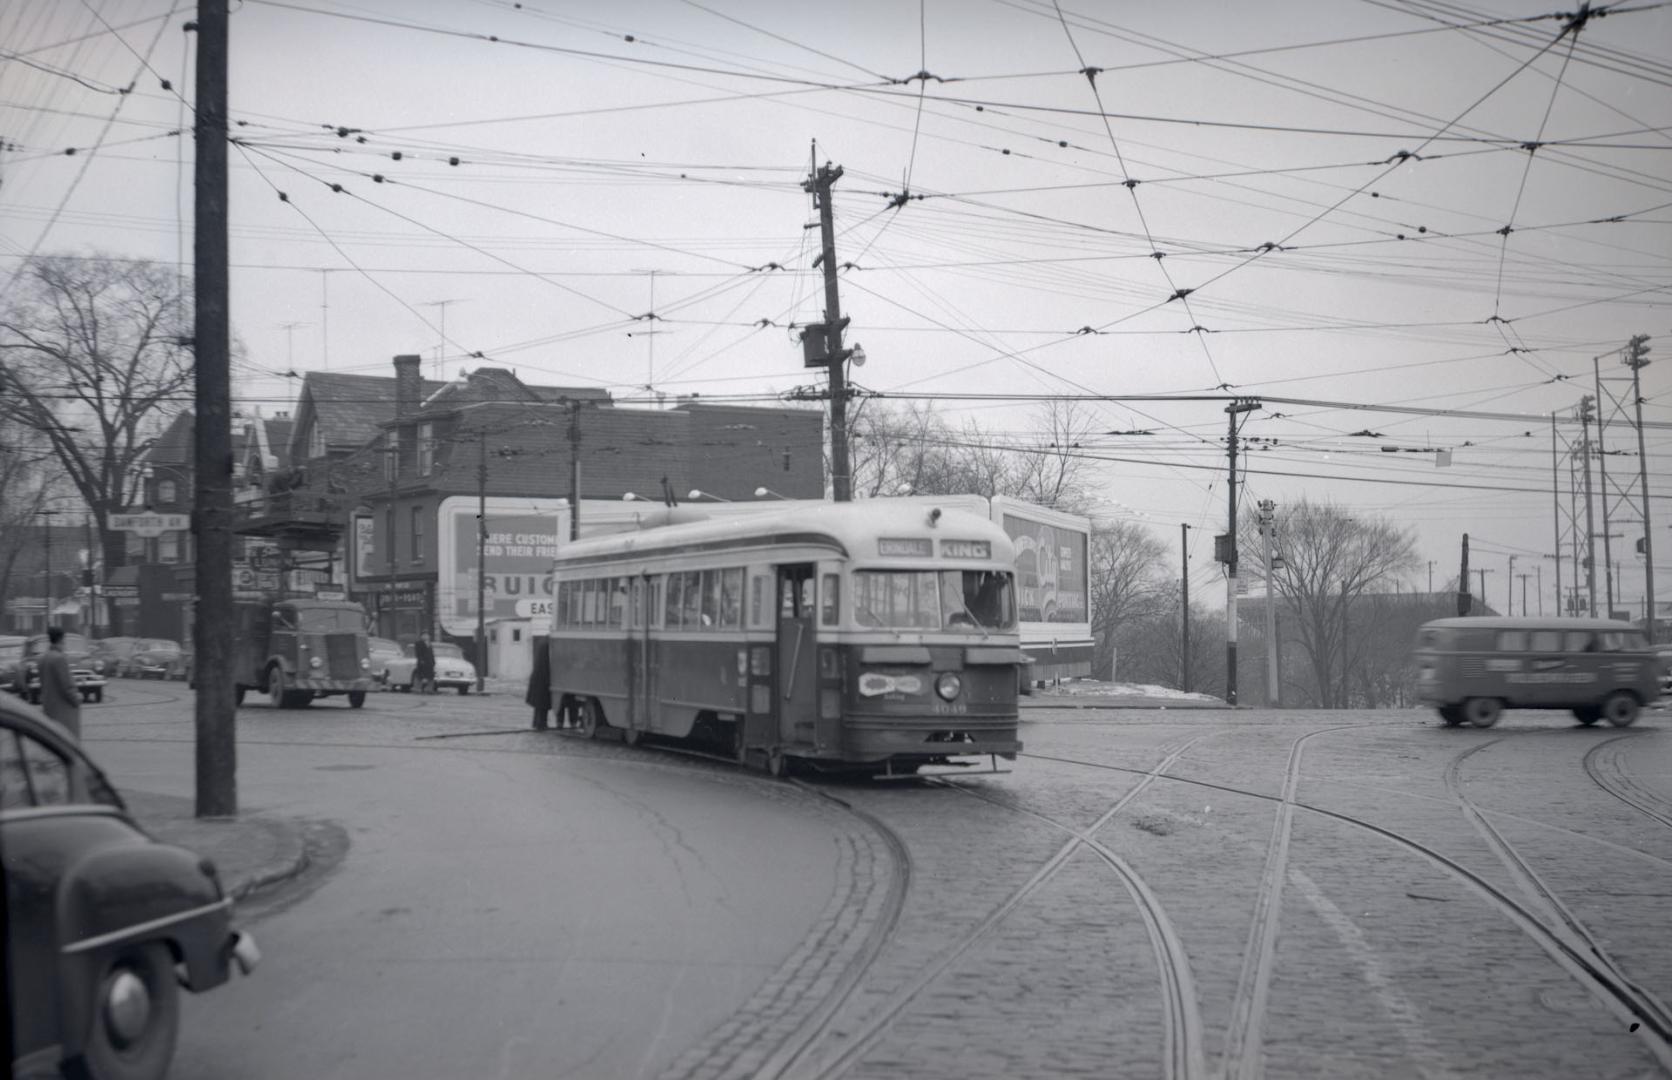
(1463, 603)
(1184, 645)
(1232, 411)
(214, 627)
(1509, 591)
(574, 470)
(1268, 526)
(1637, 358)
(46, 580)
(1556, 518)
(1585, 404)
(832, 356)
(481, 558)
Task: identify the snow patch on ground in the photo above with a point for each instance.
(1098, 688)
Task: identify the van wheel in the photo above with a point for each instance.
(1588, 715)
(356, 698)
(1620, 708)
(1452, 715)
(276, 687)
(1482, 712)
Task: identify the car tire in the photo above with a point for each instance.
(463, 690)
(1451, 715)
(1482, 712)
(1621, 708)
(98, 696)
(128, 1047)
(592, 717)
(356, 698)
(1588, 715)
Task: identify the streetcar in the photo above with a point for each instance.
(840, 637)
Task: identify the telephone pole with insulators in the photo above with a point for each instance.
(822, 342)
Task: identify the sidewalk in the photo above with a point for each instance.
(250, 851)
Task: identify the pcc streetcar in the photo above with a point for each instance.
(848, 635)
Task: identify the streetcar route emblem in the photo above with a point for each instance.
(874, 683)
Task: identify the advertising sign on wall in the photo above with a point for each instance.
(365, 547)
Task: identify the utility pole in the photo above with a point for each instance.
(1602, 464)
(829, 333)
(1184, 623)
(1556, 521)
(1483, 571)
(1509, 590)
(1430, 577)
(1232, 411)
(1585, 404)
(46, 583)
(1637, 358)
(1463, 603)
(481, 558)
(392, 465)
(1539, 569)
(1523, 576)
(217, 749)
(1268, 526)
(92, 580)
(574, 470)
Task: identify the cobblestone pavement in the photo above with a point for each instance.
(1280, 894)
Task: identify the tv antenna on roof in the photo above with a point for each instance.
(441, 348)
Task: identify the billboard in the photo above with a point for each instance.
(1051, 575)
(516, 559)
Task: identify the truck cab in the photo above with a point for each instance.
(298, 650)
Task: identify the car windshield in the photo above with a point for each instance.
(382, 645)
(161, 646)
(971, 601)
(320, 620)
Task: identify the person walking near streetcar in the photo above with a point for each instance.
(59, 697)
(424, 672)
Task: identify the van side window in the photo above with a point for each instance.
(1611, 641)
(1580, 641)
(1512, 641)
(1547, 641)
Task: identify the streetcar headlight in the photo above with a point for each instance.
(948, 685)
(365, 665)
(315, 662)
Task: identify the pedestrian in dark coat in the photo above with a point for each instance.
(424, 672)
(539, 694)
(59, 697)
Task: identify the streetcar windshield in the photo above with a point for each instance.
(975, 601)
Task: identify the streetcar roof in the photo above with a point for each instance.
(847, 529)
(1529, 622)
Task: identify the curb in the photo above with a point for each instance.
(275, 875)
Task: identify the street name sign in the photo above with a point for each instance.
(150, 526)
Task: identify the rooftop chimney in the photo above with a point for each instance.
(409, 385)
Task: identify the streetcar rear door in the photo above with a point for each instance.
(797, 667)
(640, 711)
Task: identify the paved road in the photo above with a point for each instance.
(1147, 894)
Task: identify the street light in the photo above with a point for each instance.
(697, 494)
(763, 492)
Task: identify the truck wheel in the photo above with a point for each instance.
(592, 717)
(1620, 708)
(1588, 715)
(135, 1016)
(1451, 714)
(276, 687)
(356, 698)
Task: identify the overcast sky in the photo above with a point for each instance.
(1325, 185)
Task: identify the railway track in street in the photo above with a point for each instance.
(1602, 765)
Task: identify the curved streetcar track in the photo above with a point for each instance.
(1184, 1055)
(1603, 767)
(1559, 918)
(1615, 994)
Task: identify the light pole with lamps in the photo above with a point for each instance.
(764, 492)
(696, 493)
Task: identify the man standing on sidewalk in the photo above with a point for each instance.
(59, 697)
(423, 672)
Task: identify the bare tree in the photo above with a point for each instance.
(1332, 563)
(24, 489)
(1128, 583)
(95, 357)
(1051, 471)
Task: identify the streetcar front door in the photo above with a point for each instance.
(640, 703)
(797, 689)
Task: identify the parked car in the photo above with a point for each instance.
(157, 658)
(88, 670)
(104, 924)
(451, 668)
(11, 663)
(380, 651)
(117, 654)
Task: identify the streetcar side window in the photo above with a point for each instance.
(711, 598)
(830, 608)
(731, 598)
(690, 612)
(635, 603)
(616, 601)
(757, 600)
(675, 587)
(560, 609)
